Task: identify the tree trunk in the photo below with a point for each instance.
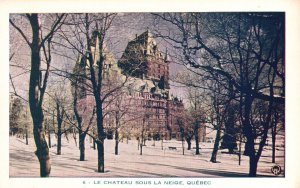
(188, 141)
(117, 116)
(66, 135)
(53, 122)
(196, 132)
(35, 102)
(97, 80)
(240, 149)
(252, 156)
(59, 125)
(247, 129)
(49, 135)
(117, 142)
(247, 149)
(100, 147)
(182, 143)
(49, 140)
(273, 144)
(253, 168)
(75, 138)
(229, 140)
(100, 129)
(26, 135)
(59, 134)
(82, 146)
(42, 151)
(162, 144)
(216, 146)
(59, 143)
(253, 165)
(142, 137)
(94, 144)
(141, 147)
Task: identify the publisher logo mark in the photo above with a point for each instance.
(276, 170)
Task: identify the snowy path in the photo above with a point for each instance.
(154, 162)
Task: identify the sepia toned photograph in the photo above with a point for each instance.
(147, 95)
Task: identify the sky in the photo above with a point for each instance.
(124, 29)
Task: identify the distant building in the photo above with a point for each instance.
(147, 90)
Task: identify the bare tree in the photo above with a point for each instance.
(217, 118)
(86, 35)
(246, 49)
(40, 42)
(82, 115)
(197, 114)
(121, 112)
(14, 115)
(58, 99)
(142, 125)
(60, 112)
(180, 123)
(277, 126)
(198, 106)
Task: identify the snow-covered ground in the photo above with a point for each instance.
(155, 161)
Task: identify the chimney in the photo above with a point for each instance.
(167, 56)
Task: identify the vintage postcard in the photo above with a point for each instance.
(173, 96)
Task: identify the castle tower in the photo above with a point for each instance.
(143, 59)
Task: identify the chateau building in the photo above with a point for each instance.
(150, 108)
(143, 60)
